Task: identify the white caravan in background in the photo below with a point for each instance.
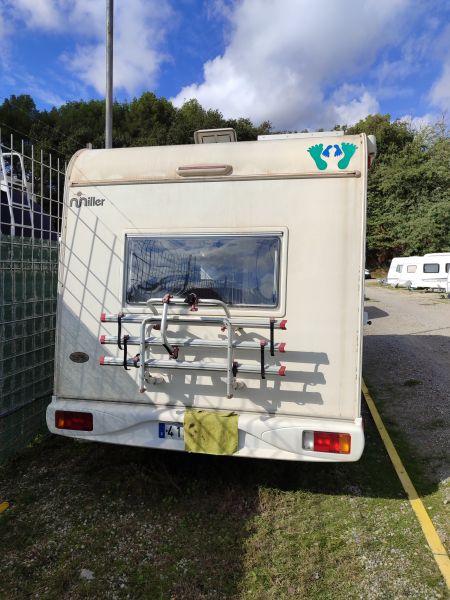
(404, 271)
(197, 310)
(434, 271)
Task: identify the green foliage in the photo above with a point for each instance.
(145, 121)
(409, 183)
(408, 189)
(391, 137)
(18, 112)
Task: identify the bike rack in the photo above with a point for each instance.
(160, 321)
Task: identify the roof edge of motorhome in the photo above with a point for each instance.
(295, 158)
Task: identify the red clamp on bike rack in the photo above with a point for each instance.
(102, 360)
(282, 347)
(102, 339)
(283, 324)
(103, 317)
(282, 371)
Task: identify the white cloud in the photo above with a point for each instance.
(4, 38)
(440, 92)
(140, 27)
(422, 121)
(284, 55)
(356, 103)
(40, 14)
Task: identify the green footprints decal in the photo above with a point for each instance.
(316, 152)
(345, 150)
(348, 150)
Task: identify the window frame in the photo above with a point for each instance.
(436, 264)
(409, 266)
(235, 309)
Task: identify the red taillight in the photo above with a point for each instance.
(78, 421)
(327, 441)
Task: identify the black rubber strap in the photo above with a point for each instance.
(125, 357)
(235, 368)
(272, 342)
(192, 300)
(263, 372)
(119, 330)
(173, 352)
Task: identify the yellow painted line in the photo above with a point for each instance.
(429, 531)
(3, 506)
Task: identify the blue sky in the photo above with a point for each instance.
(296, 63)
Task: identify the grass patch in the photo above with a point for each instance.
(434, 494)
(166, 526)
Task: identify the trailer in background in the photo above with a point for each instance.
(404, 271)
(434, 270)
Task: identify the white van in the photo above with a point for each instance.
(197, 310)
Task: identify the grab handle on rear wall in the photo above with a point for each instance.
(202, 170)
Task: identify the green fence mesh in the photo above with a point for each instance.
(28, 284)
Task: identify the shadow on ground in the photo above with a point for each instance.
(375, 313)
(159, 524)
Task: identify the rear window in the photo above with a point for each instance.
(411, 268)
(431, 268)
(399, 268)
(240, 270)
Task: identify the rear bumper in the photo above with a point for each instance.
(260, 436)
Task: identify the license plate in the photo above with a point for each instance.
(171, 431)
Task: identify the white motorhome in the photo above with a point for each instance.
(433, 271)
(197, 310)
(404, 271)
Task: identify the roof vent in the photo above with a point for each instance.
(215, 136)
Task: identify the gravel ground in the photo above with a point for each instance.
(407, 366)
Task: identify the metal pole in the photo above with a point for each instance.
(109, 72)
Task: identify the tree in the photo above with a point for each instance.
(408, 186)
(408, 190)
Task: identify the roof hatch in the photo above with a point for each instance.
(214, 136)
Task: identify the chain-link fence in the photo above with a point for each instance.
(31, 189)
